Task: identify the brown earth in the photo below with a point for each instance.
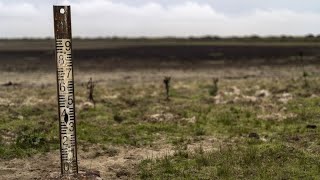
(146, 63)
(119, 165)
(158, 57)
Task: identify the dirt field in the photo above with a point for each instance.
(261, 120)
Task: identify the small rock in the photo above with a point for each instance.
(163, 117)
(219, 99)
(295, 138)
(168, 116)
(263, 93)
(314, 96)
(86, 106)
(156, 118)
(285, 98)
(311, 126)
(254, 136)
(8, 84)
(118, 118)
(236, 90)
(250, 99)
(191, 120)
(123, 172)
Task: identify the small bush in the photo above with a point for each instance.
(26, 141)
(213, 90)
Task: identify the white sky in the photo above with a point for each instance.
(132, 18)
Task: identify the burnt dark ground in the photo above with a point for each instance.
(161, 56)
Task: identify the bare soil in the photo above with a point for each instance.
(146, 64)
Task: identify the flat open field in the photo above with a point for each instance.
(260, 121)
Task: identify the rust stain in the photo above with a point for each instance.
(62, 27)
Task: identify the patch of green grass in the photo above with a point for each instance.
(125, 120)
(28, 130)
(306, 109)
(28, 142)
(249, 161)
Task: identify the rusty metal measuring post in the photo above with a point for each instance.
(65, 88)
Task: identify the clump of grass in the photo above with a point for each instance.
(199, 131)
(111, 151)
(26, 143)
(105, 150)
(32, 140)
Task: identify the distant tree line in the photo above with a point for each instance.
(282, 38)
(208, 38)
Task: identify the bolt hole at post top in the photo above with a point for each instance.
(62, 11)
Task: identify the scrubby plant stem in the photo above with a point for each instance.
(90, 87)
(304, 73)
(213, 91)
(166, 82)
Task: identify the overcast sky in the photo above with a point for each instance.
(132, 18)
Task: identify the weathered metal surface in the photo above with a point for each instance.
(65, 89)
(62, 22)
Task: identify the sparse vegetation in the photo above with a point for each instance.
(256, 122)
(248, 160)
